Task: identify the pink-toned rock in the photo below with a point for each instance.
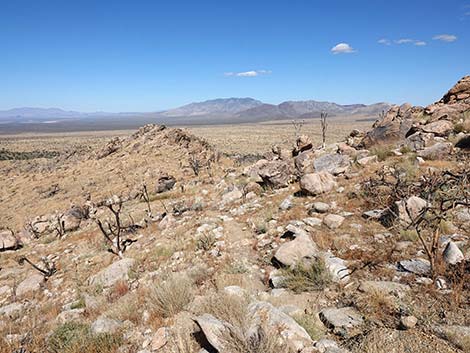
(160, 338)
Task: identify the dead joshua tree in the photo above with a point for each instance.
(144, 195)
(324, 127)
(114, 231)
(49, 267)
(59, 226)
(195, 164)
(298, 125)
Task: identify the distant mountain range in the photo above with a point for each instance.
(215, 111)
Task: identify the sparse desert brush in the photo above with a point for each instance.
(172, 295)
(262, 340)
(78, 338)
(307, 277)
(205, 241)
(377, 306)
(118, 290)
(230, 308)
(315, 329)
(382, 152)
(239, 337)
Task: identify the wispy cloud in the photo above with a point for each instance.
(419, 43)
(251, 73)
(445, 37)
(384, 41)
(342, 48)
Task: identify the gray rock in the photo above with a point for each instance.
(320, 207)
(73, 315)
(367, 160)
(290, 253)
(8, 241)
(288, 328)
(341, 320)
(11, 310)
(337, 267)
(409, 210)
(105, 325)
(235, 290)
(333, 221)
(117, 271)
(317, 183)
(31, 284)
(373, 214)
(332, 163)
(458, 335)
(440, 150)
(312, 221)
(287, 203)
(417, 266)
(212, 329)
(439, 128)
(408, 322)
(452, 254)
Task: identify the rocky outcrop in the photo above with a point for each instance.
(8, 240)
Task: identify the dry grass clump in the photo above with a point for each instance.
(311, 325)
(382, 152)
(307, 277)
(262, 340)
(78, 338)
(239, 336)
(171, 296)
(378, 306)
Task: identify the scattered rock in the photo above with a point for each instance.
(332, 163)
(452, 254)
(367, 160)
(117, 271)
(458, 335)
(31, 284)
(417, 266)
(386, 287)
(159, 339)
(341, 320)
(440, 150)
(333, 221)
(8, 241)
(292, 252)
(317, 183)
(408, 322)
(320, 207)
(105, 325)
(165, 183)
(287, 203)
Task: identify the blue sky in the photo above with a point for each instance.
(150, 55)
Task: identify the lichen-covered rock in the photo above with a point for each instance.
(117, 271)
(317, 183)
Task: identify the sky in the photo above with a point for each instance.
(150, 55)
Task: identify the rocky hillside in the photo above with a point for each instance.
(362, 246)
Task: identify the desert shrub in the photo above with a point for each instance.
(310, 325)
(206, 241)
(405, 149)
(382, 152)
(74, 338)
(239, 337)
(378, 306)
(307, 277)
(171, 296)
(408, 235)
(263, 340)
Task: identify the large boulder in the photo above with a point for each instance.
(440, 150)
(30, 284)
(317, 183)
(461, 91)
(333, 163)
(392, 127)
(275, 173)
(8, 241)
(304, 162)
(341, 320)
(290, 253)
(439, 128)
(117, 271)
(409, 210)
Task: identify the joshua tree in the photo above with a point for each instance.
(324, 127)
(113, 231)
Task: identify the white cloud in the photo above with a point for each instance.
(404, 41)
(419, 43)
(384, 41)
(445, 37)
(342, 48)
(251, 73)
